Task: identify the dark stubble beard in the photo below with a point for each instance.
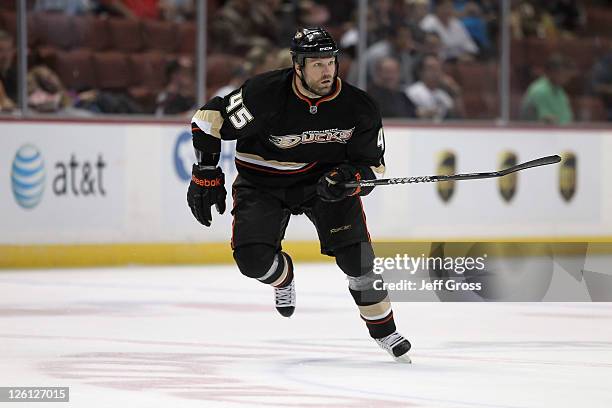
(319, 90)
(323, 90)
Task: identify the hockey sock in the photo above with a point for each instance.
(375, 310)
(280, 273)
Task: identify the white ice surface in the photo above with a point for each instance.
(209, 337)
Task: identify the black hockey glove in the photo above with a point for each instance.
(207, 187)
(329, 188)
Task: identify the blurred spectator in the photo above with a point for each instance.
(261, 59)
(177, 10)
(429, 95)
(379, 20)
(474, 20)
(242, 24)
(457, 43)
(340, 12)
(148, 9)
(284, 59)
(239, 76)
(432, 44)
(383, 18)
(178, 97)
(487, 7)
(72, 7)
(399, 45)
(8, 73)
(386, 90)
(602, 81)
(46, 93)
(312, 14)
(417, 10)
(545, 99)
(566, 14)
(111, 102)
(528, 19)
(6, 103)
(401, 13)
(349, 40)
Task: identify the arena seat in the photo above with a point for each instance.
(220, 68)
(479, 105)
(53, 29)
(344, 66)
(537, 52)
(160, 35)
(599, 21)
(516, 100)
(187, 38)
(149, 69)
(589, 109)
(518, 52)
(125, 34)
(8, 5)
(8, 22)
(76, 69)
(112, 70)
(46, 54)
(145, 97)
(581, 51)
(473, 76)
(520, 77)
(91, 32)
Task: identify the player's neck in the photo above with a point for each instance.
(305, 92)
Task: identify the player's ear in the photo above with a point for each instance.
(298, 70)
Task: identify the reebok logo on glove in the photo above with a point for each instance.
(206, 182)
(206, 189)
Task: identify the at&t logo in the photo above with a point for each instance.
(28, 176)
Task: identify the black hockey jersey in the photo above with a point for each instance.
(284, 138)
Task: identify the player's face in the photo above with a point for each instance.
(319, 74)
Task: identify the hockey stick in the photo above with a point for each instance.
(542, 161)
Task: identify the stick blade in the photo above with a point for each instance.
(542, 161)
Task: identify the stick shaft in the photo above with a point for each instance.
(542, 161)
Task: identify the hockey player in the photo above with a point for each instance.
(300, 133)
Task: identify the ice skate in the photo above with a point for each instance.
(396, 345)
(285, 299)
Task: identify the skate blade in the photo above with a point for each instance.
(403, 359)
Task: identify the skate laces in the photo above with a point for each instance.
(285, 296)
(390, 341)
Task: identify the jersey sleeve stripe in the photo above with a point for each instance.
(209, 121)
(258, 160)
(273, 171)
(379, 171)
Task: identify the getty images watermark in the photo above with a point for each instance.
(489, 271)
(405, 263)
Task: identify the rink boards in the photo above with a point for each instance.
(88, 193)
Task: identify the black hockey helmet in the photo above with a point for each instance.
(312, 43)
